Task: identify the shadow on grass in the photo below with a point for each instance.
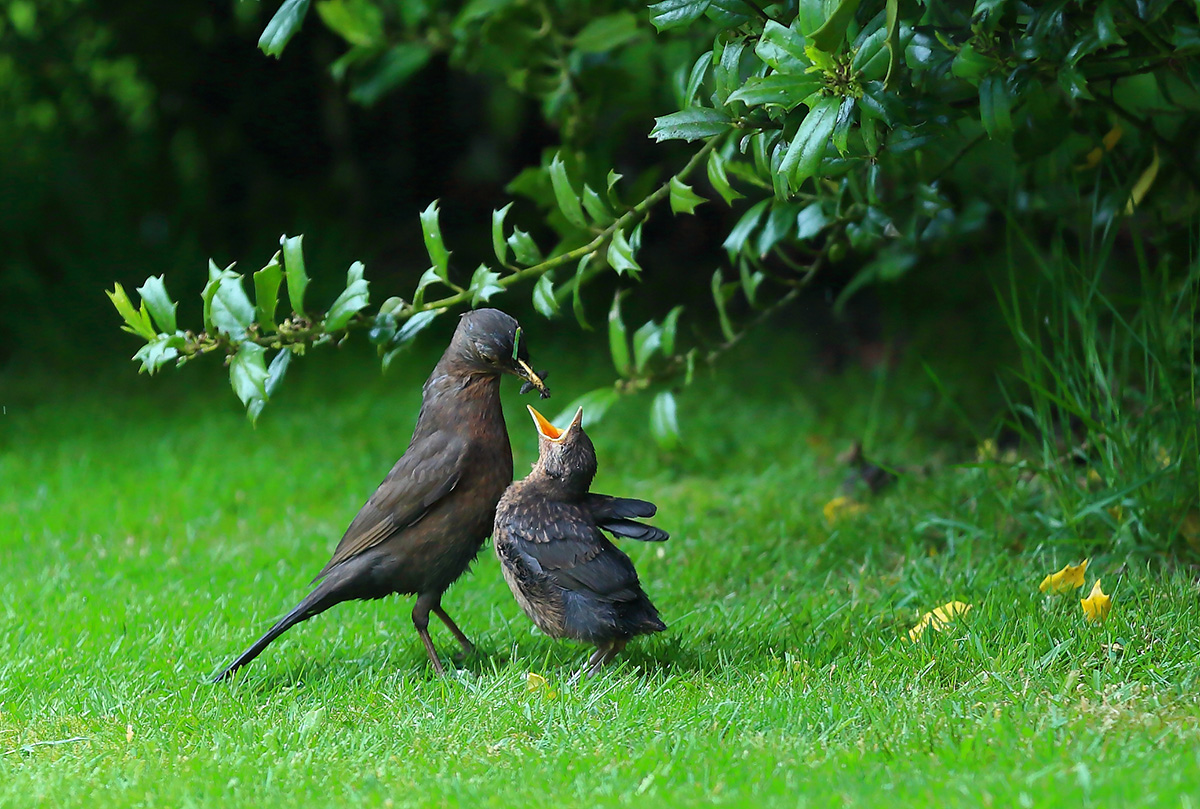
(679, 653)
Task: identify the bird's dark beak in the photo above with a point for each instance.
(549, 431)
(532, 379)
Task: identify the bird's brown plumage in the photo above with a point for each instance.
(425, 523)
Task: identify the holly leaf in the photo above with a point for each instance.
(783, 49)
(282, 27)
(618, 338)
(499, 245)
(524, 248)
(620, 255)
(832, 34)
(248, 373)
(676, 13)
(293, 264)
(431, 231)
(568, 200)
(995, 108)
(683, 198)
(721, 294)
(786, 90)
(719, 180)
(275, 374)
(266, 292)
(670, 324)
(690, 124)
(808, 146)
(159, 351)
(664, 423)
(159, 303)
(137, 321)
(226, 307)
(483, 285)
(596, 207)
(354, 298)
(646, 341)
(543, 297)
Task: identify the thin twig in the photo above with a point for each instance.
(630, 217)
(971, 144)
(676, 364)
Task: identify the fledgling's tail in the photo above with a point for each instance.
(640, 617)
(314, 603)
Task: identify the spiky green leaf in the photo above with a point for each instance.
(354, 298)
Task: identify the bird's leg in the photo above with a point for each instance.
(420, 619)
(592, 661)
(600, 658)
(468, 648)
(605, 654)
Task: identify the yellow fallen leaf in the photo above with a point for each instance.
(938, 618)
(842, 507)
(1096, 605)
(1064, 581)
(536, 682)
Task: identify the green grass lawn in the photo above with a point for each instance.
(149, 534)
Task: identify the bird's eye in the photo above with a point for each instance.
(486, 352)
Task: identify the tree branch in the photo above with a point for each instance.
(627, 219)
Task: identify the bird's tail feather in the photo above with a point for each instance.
(314, 603)
(632, 529)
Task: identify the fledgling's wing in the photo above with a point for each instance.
(632, 529)
(605, 507)
(426, 473)
(564, 543)
(614, 514)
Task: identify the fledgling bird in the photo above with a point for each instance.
(566, 575)
(426, 522)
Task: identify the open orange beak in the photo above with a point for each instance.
(548, 430)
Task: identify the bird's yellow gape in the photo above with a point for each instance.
(548, 430)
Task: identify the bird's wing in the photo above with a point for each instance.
(426, 473)
(632, 529)
(569, 548)
(613, 515)
(604, 506)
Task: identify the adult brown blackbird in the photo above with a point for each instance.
(425, 523)
(566, 575)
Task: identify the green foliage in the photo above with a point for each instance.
(862, 135)
(284, 25)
